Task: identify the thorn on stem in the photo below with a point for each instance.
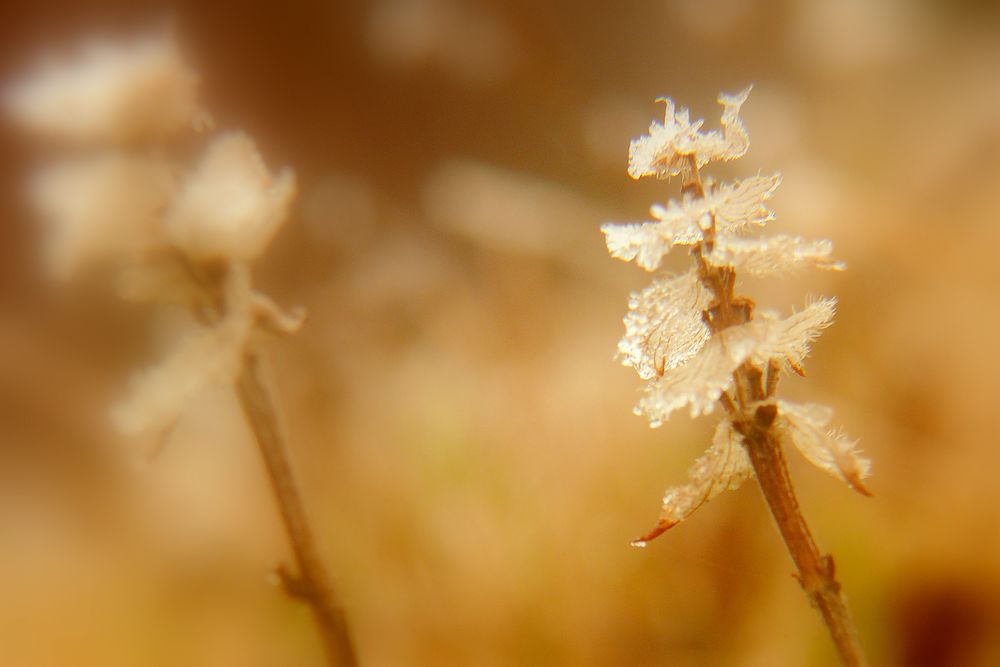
(293, 585)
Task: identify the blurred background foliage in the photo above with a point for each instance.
(462, 430)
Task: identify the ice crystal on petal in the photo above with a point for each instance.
(740, 205)
(733, 207)
(111, 92)
(665, 151)
(648, 242)
(789, 338)
(700, 382)
(664, 327)
(645, 242)
(100, 206)
(773, 256)
(212, 356)
(686, 220)
(231, 206)
(723, 467)
(806, 426)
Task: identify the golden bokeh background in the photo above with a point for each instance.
(462, 431)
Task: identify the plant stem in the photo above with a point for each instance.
(763, 445)
(815, 571)
(310, 582)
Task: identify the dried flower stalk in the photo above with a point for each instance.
(700, 345)
(180, 235)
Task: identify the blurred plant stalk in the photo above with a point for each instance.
(310, 582)
(179, 234)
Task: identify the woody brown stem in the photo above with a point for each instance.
(764, 447)
(815, 570)
(310, 582)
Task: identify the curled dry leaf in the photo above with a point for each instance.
(724, 467)
(807, 427)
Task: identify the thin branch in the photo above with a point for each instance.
(815, 570)
(310, 583)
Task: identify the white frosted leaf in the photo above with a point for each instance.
(664, 327)
(646, 243)
(685, 220)
(110, 92)
(806, 426)
(772, 256)
(98, 207)
(700, 381)
(789, 338)
(230, 206)
(211, 356)
(723, 467)
(735, 137)
(733, 206)
(740, 205)
(667, 149)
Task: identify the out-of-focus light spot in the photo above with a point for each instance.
(843, 35)
(812, 198)
(609, 123)
(513, 212)
(775, 119)
(467, 40)
(708, 18)
(340, 210)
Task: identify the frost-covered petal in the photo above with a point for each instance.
(664, 327)
(645, 242)
(655, 154)
(648, 242)
(735, 136)
(700, 382)
(230, 206)
(789, 338)
(733, 207)
(806, 426)
(740, 205)
(212, 356)
(101, 206)
(724, 467)
(685, 221)
(668, 148)
(774, 255)
(110, 92)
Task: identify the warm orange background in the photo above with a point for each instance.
(462, 431)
